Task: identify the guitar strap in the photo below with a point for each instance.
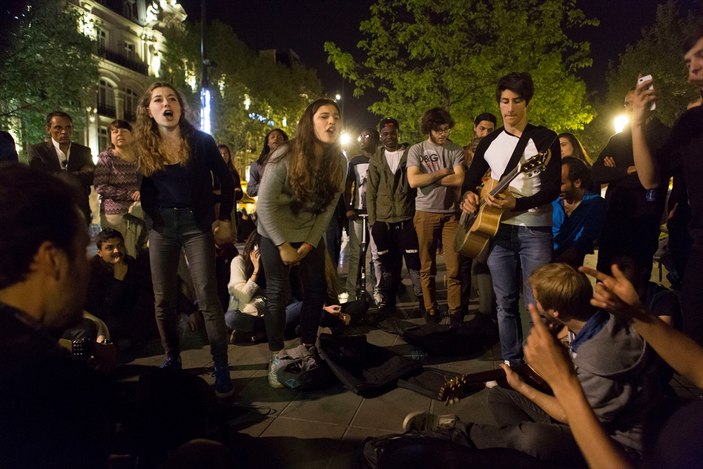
(519, 150)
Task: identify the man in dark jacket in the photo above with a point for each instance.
(52, 405)
(634, 213)
(391, 206)
(60, 155)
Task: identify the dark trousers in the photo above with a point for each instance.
(395, 241)
(181, 232)
(524, 426)
(311, 272)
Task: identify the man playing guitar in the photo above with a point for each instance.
(524, 237)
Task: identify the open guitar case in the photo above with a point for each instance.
(366, 369)
(441, 343)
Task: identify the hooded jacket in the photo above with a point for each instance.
(620, 377)
(389, 197)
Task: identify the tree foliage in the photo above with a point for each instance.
(420, 54)
(252, 93)
(46, 64)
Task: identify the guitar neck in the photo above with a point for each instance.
(505, 182)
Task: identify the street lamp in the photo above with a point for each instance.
(620, 122)
(345, 139)
(205, 96)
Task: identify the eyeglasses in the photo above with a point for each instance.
(441, 131)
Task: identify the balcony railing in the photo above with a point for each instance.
(121, 59)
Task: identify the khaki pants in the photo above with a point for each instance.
(431, 227)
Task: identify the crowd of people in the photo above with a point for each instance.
(168, 195)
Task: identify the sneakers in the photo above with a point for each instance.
(378, 299)
(223, 384)
(420, 421)
(275, 365)
(172, 362)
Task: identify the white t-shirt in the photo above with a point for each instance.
(524, 185)
(393, 159)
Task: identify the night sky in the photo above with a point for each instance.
(304, 25)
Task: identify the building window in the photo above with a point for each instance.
(128, 9)
(101, 38)
(106, 100)
(103, 139)
(131, 98)
(129, 51)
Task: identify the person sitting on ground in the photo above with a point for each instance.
(247, 304)
(245, 225)
(337, 316)
(113, 292)
(578, 214)
(618, 372)
(52, 405)
(677, 444)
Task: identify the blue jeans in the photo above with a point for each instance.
(311, 272)
(292, 317)
(180, 231)
(515, 250)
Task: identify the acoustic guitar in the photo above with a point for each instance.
(476, 229)
(456, 387)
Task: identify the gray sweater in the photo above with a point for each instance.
(277, 220)
(620, 378)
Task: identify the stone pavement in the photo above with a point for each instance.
(283, 428)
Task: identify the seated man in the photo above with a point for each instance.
(113, 291)
(677, 444)
(616, 368)
(578, 215)
(52, 406)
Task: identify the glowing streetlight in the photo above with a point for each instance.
(620, 123)
(345, 139)
(337, 97)
(205, 97)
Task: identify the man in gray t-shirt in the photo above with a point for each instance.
(436, 170)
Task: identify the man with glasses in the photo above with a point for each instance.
(524, 238)
(634, 214)
(436, 170)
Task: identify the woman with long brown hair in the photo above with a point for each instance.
(176, 192)
(299, 191)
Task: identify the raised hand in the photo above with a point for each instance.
(544, 353)
(615, 293)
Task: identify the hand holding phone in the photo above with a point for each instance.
(651, 87)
